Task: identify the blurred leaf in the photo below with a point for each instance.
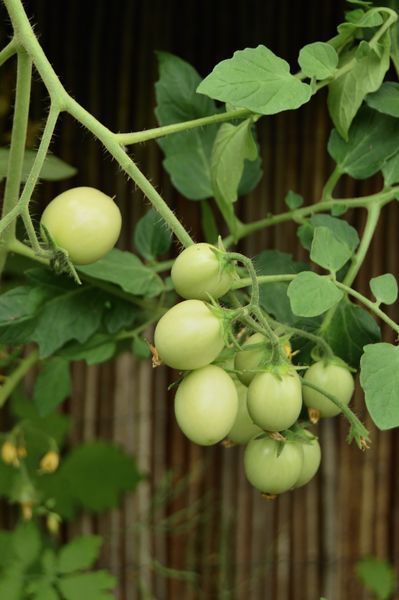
(80, 553)
(98, 349)
(140, 348)
(26, 543)
(152, 237)
(293, 200)
(52, 386)
(88, 586)
(54, 169)
(378, 576)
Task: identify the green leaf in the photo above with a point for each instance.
(273, 296)
(379, 378)
(152, 236)
(11, 583)
(26, 543)
(256, 79)
(44, 592)
(386, 99)
(347, 92)
(293, 200)
(79, 482)
(187, 155)
(341, 230)
(378, 576)
(52, 386)
(390, 170)
(54, 169)
(56, 425)
(318, 60)
(88, 586)
(385, 288)
(208, 223)
(362, 19)
(312, 295)
(350, 329)
(80, 553)
(233, 145)
(97, 349)
(373, 138)
(328, 251)
(119, 314)
(75, 315)
(127, 271)
(140, 348)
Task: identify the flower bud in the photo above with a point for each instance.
(50, 461)
(9, 453)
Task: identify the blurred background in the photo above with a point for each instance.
(195, 528)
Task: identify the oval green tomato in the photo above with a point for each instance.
(311, 460)
(199, 272)
(84, 222)
(272, 467)
(256, 353)
(206, 405)
(335, 380)
(274, 402)
(243, 428)
(189, 336)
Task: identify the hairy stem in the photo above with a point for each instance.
(157, 132)
(17, 148)
(8, 51)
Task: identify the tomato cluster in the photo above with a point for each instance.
(241, 394)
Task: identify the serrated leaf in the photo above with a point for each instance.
(54, 169)
(378, 576)
(293, 200)
(90, 586)
(152, 237)
(234, 144)
(347, 92)
(385, 288)
(318, 60)
(350, 329)
(373, 138)
(256, 79)
(311, 294)
(386, 99)
(18, 308)
(327, 251)
(379, 378)
(98, 349)
(79, 481)
(127, 271)
(390, 170)
(341, 229)
(80, 553)
(75, 315)
(52, 386)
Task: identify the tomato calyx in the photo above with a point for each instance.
(58, 257)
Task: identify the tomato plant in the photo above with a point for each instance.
(294, 328)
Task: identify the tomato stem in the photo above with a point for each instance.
(17, 375)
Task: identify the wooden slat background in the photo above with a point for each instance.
(235, 545)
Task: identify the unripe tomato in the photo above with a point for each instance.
(83, 221)
(275, 401)
(243, 428)
(249, 359)
(311, 460)
(189, 336)
(335, 379)
(206, 405)
(272, 467)
(198, 271)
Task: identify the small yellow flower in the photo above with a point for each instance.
(22, 452)
(53, 523)
(50, 461)
(27, 510)
(9, 453)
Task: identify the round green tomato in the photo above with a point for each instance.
(311, 460)
(189, 336)
(272, 467)
(84, 222)
(249, 359)
(206, 405)
(199, 272)
(243, 428)
(335, 380)
(274, 402)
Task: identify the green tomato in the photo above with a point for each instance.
(335, 380)
(84, 222)
(275, 401)
(243, 428)
(272, 467)
(199, 272)
(248, 360)
(189, 336)
(206, 405)
(311, 459)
